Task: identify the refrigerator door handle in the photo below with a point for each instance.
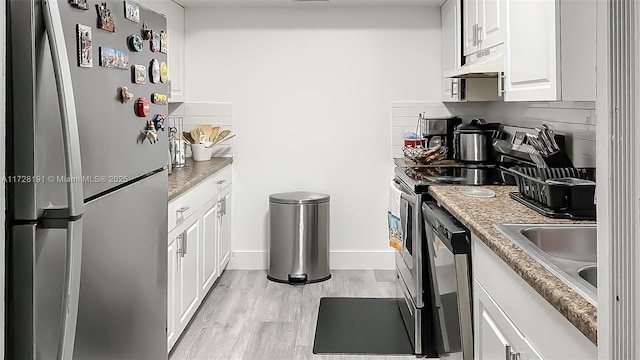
(71, 291)
(68, 117)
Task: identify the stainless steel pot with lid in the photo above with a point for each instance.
(473, 141)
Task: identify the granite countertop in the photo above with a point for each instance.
(183, 179)
(480, 214)
(404, 163)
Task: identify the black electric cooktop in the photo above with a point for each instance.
(419, 178)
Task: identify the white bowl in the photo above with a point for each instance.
(200, 152)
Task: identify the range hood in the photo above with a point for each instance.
(482, 64)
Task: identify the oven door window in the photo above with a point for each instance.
(406, 219)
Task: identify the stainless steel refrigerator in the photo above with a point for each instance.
(87, 190)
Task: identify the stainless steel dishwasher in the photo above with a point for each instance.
(449, 253)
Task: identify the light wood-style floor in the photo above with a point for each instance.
(246, 316)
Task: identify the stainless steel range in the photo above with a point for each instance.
(433, 268)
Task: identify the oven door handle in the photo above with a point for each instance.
(404, 194)
(405, 200)
(409, 198)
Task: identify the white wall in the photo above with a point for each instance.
(312, 89)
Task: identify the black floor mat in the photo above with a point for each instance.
(360, 326)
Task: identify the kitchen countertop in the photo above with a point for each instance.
(480, 214)
(183, 179)
(405, 163)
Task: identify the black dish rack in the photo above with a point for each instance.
(540, 190)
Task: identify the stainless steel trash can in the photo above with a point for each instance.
(299, 237)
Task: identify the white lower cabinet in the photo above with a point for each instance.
(496, 336)
(224, 245)
(209, 258)
(183, 295)
(512, 321)
(172, 269)
(188, 292)
(199, 248)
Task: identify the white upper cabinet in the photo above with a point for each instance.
(484, 24)
(175, 31)
(455, 89)
(531, 59)
(451, 48)
(470, 21)
(550, 50)
(492, 27)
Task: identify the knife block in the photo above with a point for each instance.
(559, 159)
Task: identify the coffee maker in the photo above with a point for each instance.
(439, 131)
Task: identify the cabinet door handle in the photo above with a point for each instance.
(180, 241)
(220, 182)
(475, 34)
(510, 354)
(479, 36)
(455, 83)
(224, 206)
(501, 80)
(183, 209)
(183, 236)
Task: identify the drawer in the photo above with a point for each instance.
(216, 182)
(184, 225)
(183, 206)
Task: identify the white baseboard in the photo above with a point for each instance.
(362, 260)
(339, 260)
(248, 260)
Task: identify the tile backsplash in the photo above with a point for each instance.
(216, 114)
(404, 117)
(575, 120)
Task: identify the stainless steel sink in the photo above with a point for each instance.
(567, 251)
(568, 242)
(590, 274)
